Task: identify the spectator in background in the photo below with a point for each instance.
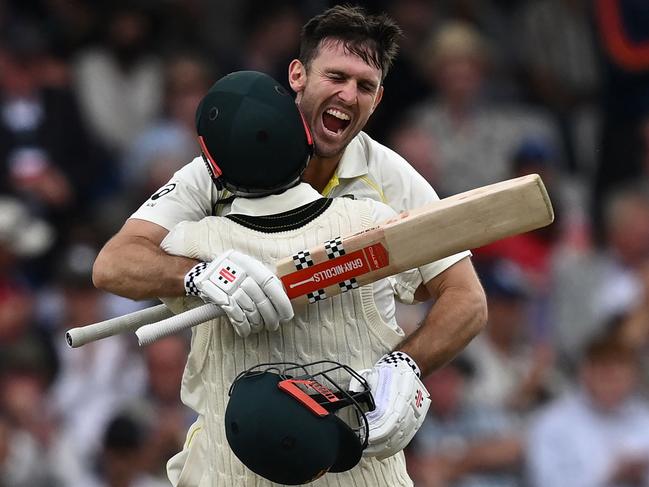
(407, 81)
(461, 444)
(417, 146)
(46, 156)
(167, 417)
(558, 55)
(159, 151)
(71, 25)
(475, 137)
(515, 370)
(97, 380)
(35, 451)
(185, 25)
(121, 463)
(271, 30)
(597, 435)
(534, 251)
(21, 236)
(119, 82)
(623, 34)
(24, 458)
(23, 239)
(21, 462)
(589, 287)
(28, 361)
(495, 20)
(634, 330)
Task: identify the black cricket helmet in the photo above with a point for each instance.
(283, 420)
(253, 138)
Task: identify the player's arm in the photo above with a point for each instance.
(458, 314)
(133, 265)
(460, 308)
(401, 398)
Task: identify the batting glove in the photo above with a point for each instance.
(401, 400)
(251, 296)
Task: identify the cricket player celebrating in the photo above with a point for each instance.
(242, 122)
(344, 58)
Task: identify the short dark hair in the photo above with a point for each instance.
(373, 38)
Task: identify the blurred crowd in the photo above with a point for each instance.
(97, 104)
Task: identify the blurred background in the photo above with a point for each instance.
(97, 103)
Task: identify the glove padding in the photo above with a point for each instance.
(401, 400)
(251, 296)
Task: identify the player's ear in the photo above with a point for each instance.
(297, 76)
(379, 97)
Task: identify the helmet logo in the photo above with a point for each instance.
(290, 386)
(281, 90)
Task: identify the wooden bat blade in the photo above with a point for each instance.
(417, 237)
(411, 239)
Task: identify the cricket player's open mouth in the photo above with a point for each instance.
(335, 121)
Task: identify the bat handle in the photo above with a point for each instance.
(150, 333)
(79, 336)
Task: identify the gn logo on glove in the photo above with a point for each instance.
(227, 275)
(419, 398)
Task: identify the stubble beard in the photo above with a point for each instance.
(323, 150)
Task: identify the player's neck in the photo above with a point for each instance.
(320, 171)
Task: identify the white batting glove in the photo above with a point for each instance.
(401, 401)
(251, 296)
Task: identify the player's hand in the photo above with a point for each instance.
(251, 296)
(401, 400)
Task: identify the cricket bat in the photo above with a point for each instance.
(411, 239)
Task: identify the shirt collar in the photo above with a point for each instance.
(290, 199)
(354, 160)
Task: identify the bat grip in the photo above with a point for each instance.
(79, 336)
(154, 331)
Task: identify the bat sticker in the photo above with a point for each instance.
(340, 271)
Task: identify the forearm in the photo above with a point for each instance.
(137, 268)
(458, 315)
(451, 324)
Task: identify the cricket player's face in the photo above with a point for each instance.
(336, 94)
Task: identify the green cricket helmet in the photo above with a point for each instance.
(253, 138)
(293, 423)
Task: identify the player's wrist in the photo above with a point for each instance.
(400, 359)
(189, 280)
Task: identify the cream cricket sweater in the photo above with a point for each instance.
(346, 328)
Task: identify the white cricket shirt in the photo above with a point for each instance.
(367, 170)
